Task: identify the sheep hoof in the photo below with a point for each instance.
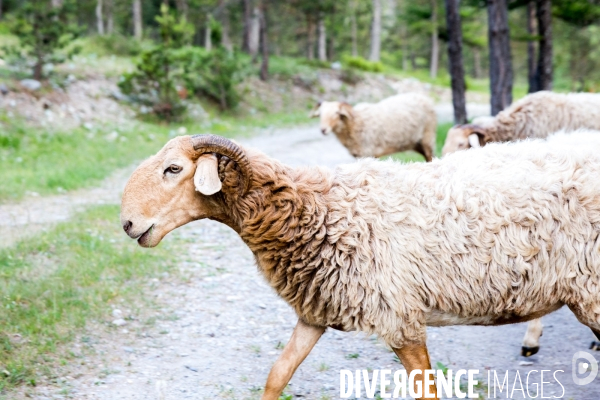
(595, 346)
(529, 351)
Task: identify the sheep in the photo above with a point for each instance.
(398, 123)
(506, 234)
(535, 116)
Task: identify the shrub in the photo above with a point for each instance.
(350, 76)
(362, 64)
(165, 74)
(154, 81)
(117, 44)
(213, 74)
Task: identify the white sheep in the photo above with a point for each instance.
(501, 234)
(534, 116)
(398, 123)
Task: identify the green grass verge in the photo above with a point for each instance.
(411, 156)
(50, 285)
(47, 162)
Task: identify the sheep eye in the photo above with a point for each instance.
(173, 169)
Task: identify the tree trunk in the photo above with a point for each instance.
(0, 9)
(544, 67)
(376, 32)
(57, 3)
(254, 38)
(182, 8)
(137, 19)
(110, 22)
(226, 39)
(501, 73)
(99, 19)
(264, 43)
(531, 61)
(322, 47)
(455, 61)
(477, 72)
(207, 38)
(353, 32)
(247, 24)
(435, 43)
(310, 37)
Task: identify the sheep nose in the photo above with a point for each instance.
(323, 131)
(127, 226)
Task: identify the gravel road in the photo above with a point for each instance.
(218, 331)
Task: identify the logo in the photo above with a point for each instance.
(585, 368)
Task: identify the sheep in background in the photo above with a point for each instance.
(508, 234)
(398, 123)
(535, 116)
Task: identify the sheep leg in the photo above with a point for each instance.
(588, 315)
(415, 356)
(301, 343)
(531, 342)
(596, 344)
(425, 150)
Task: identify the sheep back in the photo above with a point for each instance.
(543, 113)
(395, 124)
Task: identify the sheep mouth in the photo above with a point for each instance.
(143, 239)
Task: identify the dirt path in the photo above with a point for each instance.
(221, 327)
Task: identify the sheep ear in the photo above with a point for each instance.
(316, 111)
(206, 178)
(344, 111)
(474, 140)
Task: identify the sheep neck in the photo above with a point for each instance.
(349, 134)
(282, 221)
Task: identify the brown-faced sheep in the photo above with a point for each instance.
(507, 234)
(398, 123)
(535, 116)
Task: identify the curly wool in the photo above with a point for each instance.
(499, 234)
(398, 123)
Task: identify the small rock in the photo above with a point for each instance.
(3, 89)
(111, 137)
(191, 368)
(336, 65)
(525, 363)
(128, 349)
(182, 130)
(31, 84)
(119, 322)
(117, 95)
(117, 313)
(88, 125)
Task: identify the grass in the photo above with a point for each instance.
(51, 285)
(46, 162)
(411, 156)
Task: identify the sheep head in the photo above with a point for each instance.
(335, 116)
(462, 137)
(185, 181)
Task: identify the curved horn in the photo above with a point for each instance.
(217, 144)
